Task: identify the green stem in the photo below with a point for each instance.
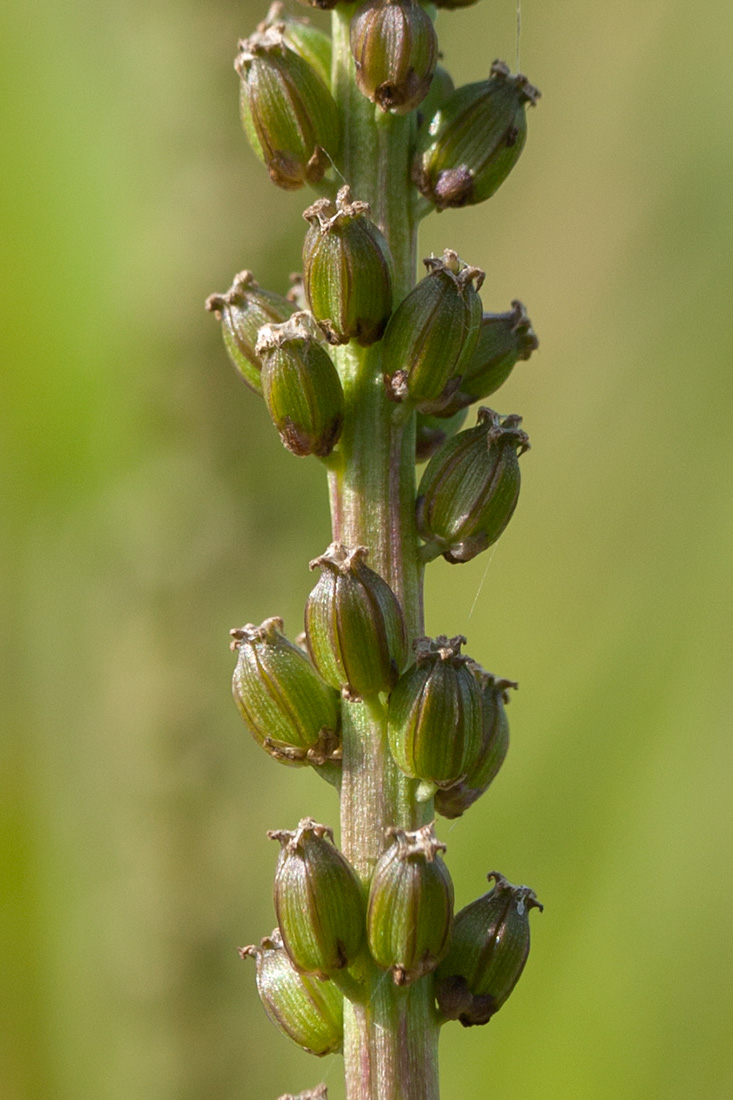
(390, 1045)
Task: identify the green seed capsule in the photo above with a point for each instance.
(432, 333)
(494, 747)
(287, 707)
(300, 35)
(347, 270)
(470, 488)
(434, 721)
(395, 51)
(410, 906)
(504, 339)
(318, 900)
(488, 950)
(354, 626)
(301, 386)
(308, 1011)
(242, 311)
(474, 140)
(441, 89)
(288, 113)
(431, 433)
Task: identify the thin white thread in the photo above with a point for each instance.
(481, 585)
(519, 30)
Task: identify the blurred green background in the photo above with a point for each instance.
(148, 507)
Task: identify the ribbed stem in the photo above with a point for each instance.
(390, 1046)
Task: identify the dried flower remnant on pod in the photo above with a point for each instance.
(372, 369)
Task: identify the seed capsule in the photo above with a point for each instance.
(300, 35)
(431, 433)
(440, 91)
(301, 386)
(395, 50)
(504, 339)
(354, 626)
(308, 1011)
(347, 270)
(432, 333)
(488, 950)
(410, 906)
(470, 488)
(318, 900)
(494, 747)
(474, 140)
(287, 707)
(288, 113)
(243, 310)
(434, 721)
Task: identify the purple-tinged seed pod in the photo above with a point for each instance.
(434, 720)
(432, 333)
(395, 50)
(301, 386)
(456, 800)
(288, 113)
(410, 907)
(487, 953)
(286, 706)
(243, 310)
(318, 900)
(470, 488)
(474, 140)
(347, 270)
(308, 1011)
(355, 630)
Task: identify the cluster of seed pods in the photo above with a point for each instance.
(441, 352)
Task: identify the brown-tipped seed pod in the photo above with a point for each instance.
(474, 140)
(355, 630)
(487, 953)
(431, 433)
(470, 488)
(434, 721)
(432, 333)
(395, 50)
(318, 900)
(308, 1011)
(288, 113)
(410, 907)
(503, 339)
(243, 310)
(494, 747)
(285, 704)
(300, 35)
(347, 270)
(301, 386)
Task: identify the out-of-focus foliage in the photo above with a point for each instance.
(149, 506)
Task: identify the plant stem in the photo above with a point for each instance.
(390, 1045)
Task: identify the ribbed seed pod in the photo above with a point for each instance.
(308, 1011)
(494, 746)
(432, 333)
(474, 140)
(395, 51)
(487, 953)
(347, 270)
(318, 900)
(288, 113)
(434, 720)
(503, 339)
(470, 488)
(410, 907)
(301, 386)
(243, 310)
(431, 433)
(300, 35)
(285, 704)
(355, 630)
